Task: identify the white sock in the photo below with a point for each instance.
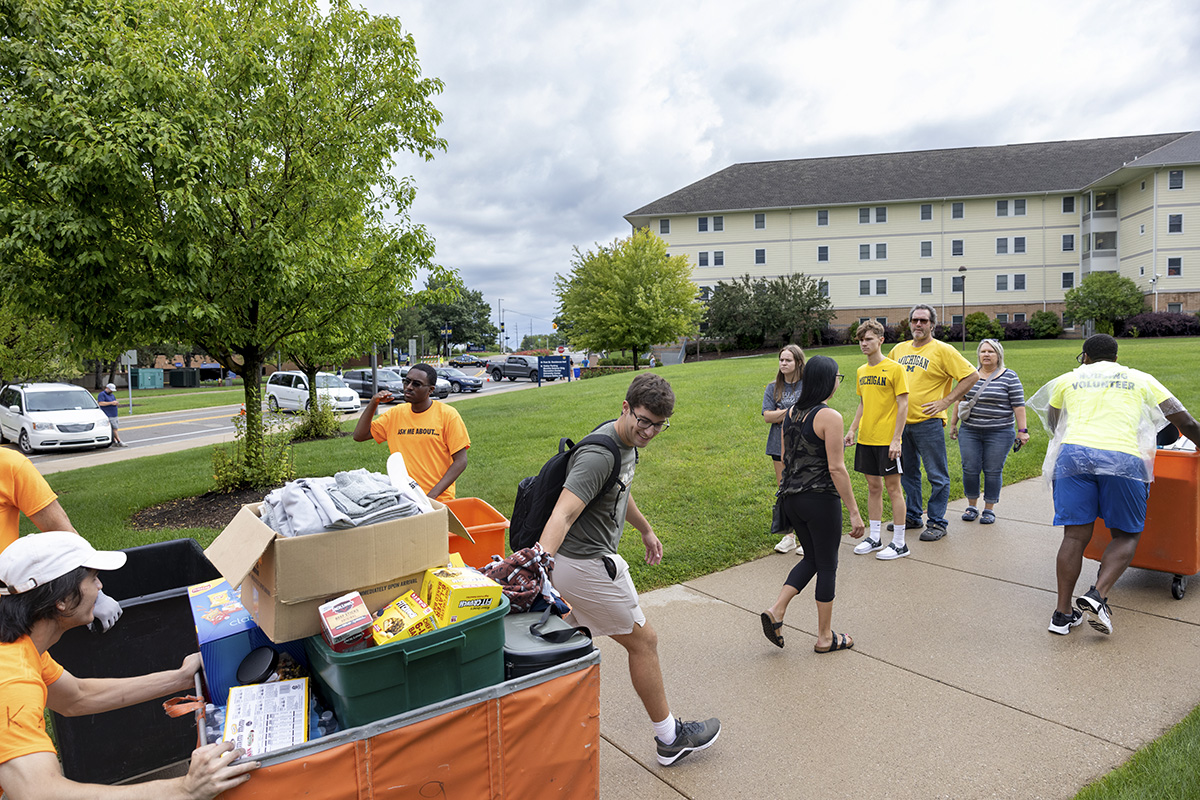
(898, 535)
(876, 525)
(665, 730)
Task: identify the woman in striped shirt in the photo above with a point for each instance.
(987, 414)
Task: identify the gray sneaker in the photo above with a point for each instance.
(689, 737)
(932, 533)
(1096, 607)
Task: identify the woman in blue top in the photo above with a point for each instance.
(777, 399)
(985, 431)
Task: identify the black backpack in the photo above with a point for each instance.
(537, 495)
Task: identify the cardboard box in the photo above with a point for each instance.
(285, 579)
(403, 618)
(456, 594)
(346, 623)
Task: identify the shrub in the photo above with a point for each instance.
(1045, 325)
(948, 333)
(832, 336)
(903, 330)
(891, 334)
(597, 372)
(981, 326)
(233, 470)
(1159, 323)
(1018, 331)
(319, 421)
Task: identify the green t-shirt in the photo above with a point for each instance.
(1104, 404)
(598, 529)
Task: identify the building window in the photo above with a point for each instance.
(664, 226)
(1001, 208)
(705, 293)
(760, 256)
(881, 251)
(760, 222)
(881, 286)
(718, 224)
(1019, 207)
(882, 321)
(926, 212)
(864, 288)
(956, 211)
(1068, 323)
(1018, 244)
(864, 252)
(1142, 229)
(864, 216)
(956, 319)
(1068, 280)
(1018, 317)
(703, 262)
(1001, 283)
(1142, 271)
(823, 253)
(926, 285)
(702, 224)
(956, 247)
(1068, 243)
(926, 249)
(1174, 223)
(881, 214)
(1001, 246)
(1104, 240)
(1106, 201)
(1019, 282)
(822, 216)
(1175, 266)
(1175, 308)
(1069, 205)
(1002, 318)
(1175, 179)
(823, 288)
(718, 258)
(861, 320)
(956, 283)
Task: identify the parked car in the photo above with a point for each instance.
(290, 390)
(467, 360)
(52, 416)
(513, 367)
(459, 380)
(360, 381)
(442, 390)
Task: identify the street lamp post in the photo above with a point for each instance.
(1154, 285)
(963, 276)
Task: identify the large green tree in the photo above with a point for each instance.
(1104, 297)
(463, 311)
(759, 311)
(628, 295)
(207, 170)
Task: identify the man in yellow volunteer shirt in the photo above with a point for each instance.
(1101, 417)
(930, 370)
(429, 434)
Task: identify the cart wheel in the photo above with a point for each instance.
(1178, 586)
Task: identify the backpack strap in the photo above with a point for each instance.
(605, 441)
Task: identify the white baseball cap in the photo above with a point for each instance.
(111, 386)
(39, 558)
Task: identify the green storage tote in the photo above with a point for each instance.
(386, 680)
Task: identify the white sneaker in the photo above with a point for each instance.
(868, 545)
(892, 552)
(787, 544)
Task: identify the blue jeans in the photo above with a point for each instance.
(925, 443)
(984, 450)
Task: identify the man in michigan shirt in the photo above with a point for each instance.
(930, 369)
(1103, 417)
(429, 434)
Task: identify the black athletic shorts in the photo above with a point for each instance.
(872, 459)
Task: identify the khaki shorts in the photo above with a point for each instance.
(607, 606)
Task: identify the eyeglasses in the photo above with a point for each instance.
(916, 321)
(415, 384)
(646, 424)
(841, 377)
(1079, 358)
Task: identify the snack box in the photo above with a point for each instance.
(458, 593)
(403, 618)
(285, 579)
(346, 623)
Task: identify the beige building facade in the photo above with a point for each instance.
(1006, 229)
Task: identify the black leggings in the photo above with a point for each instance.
(817, 520)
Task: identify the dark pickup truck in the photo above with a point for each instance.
(513, 367)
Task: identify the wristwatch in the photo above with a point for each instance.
(1022, 430)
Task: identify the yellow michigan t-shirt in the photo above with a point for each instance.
(879, 387)
(930, 372)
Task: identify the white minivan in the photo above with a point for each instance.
(290, 390)
(52, 416)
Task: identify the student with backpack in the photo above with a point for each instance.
(582, 534)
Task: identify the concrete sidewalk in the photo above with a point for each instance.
(954, 687)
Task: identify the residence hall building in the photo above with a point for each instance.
(1017, 225)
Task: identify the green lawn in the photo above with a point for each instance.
(153, 401)
(705, 484)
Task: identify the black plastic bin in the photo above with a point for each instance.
(154, 633)
(187, 378)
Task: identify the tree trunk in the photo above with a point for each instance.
(250, 369)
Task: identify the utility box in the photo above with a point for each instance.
(186, 378)
(146, 378)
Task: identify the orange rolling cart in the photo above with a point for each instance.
(1171, 539)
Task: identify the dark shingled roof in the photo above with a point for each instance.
(919, 175)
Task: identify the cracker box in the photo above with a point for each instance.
(405, 617)
(457, 593)
(346, 623)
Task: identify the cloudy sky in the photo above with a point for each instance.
(561, 117)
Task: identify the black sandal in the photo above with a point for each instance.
(840, 642)
(771, 629)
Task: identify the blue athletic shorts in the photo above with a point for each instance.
(1120, 502)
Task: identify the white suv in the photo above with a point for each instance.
(51, 416)
(290, 390)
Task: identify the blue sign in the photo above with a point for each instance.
(554, 367)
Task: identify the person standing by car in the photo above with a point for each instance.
(987, 413)
(107, 400)
(428, 433)
(779, 396)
